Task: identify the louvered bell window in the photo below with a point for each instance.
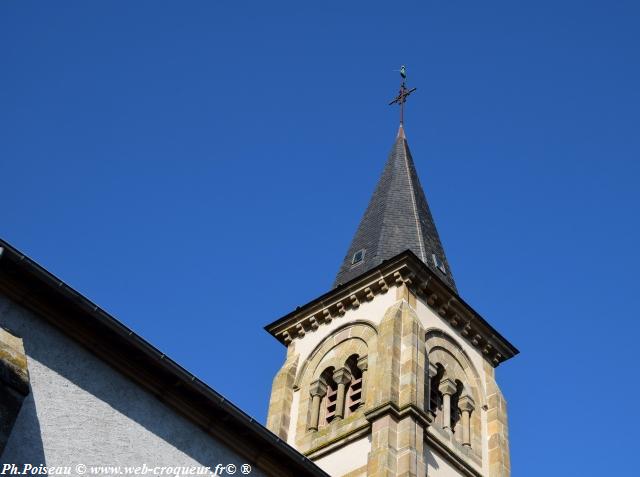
(331, 400)
(354, 395)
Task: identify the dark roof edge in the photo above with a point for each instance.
(355, 285)
(23, 268)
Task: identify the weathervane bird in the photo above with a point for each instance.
(403, 72)
(403, 93)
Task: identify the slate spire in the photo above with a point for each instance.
(397, 218)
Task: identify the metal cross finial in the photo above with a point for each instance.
(403, 93)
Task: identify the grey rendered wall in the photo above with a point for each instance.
(81, 411)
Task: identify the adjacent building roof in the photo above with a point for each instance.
(33, 287)
(397, 219)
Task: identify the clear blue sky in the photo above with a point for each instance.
(198, 170)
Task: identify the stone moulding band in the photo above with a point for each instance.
(339, 441)
(424, 418)
(451, 456)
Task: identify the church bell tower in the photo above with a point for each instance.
(391, 373)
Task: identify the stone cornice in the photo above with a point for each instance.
(405, 268)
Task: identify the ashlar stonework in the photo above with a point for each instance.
(405, 425)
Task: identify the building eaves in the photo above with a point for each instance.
(35, 288)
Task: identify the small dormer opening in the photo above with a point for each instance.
(439, 264)
(358, 257)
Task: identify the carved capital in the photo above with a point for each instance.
(466, 403)
(342, 376)
(447, 386)
(318, 388)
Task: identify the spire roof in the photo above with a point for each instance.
(397, 218)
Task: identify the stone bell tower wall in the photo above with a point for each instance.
(327, 345)
(426, 362)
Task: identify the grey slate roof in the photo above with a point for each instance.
(397, 218)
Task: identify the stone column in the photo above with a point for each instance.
(317, 390)
(448, 388)
(342, 377)
(363, 366)
(466, 406)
